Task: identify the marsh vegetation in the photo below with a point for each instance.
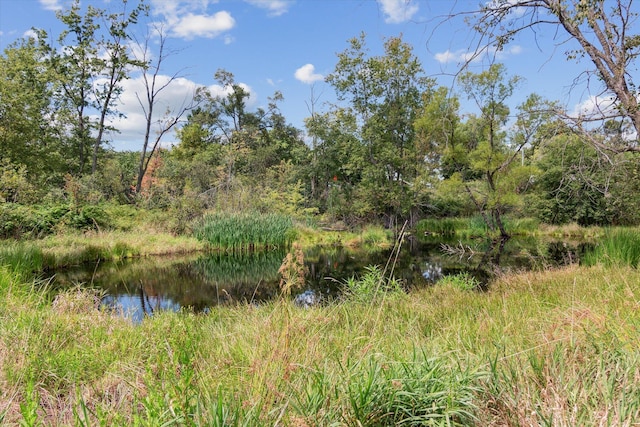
(344, 276)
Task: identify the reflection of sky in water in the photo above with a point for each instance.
(141, 287)
(135, 307)
(432, 271)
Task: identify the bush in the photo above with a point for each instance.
(16, 220)
(15, 186)
(19, 221)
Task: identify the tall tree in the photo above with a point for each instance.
(605, 32)
(384, 95)
(487, 172)
(91, 62)
(76, 64)
(29, 135)
(115, 63)
(154, 84)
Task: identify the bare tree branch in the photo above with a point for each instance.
(153, 88)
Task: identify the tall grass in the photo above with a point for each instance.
(70, 249)
(245, 231)
(461, 227)
(370, 285)
(619, 247)
(23, 259)
(474, 226)
(550, 348)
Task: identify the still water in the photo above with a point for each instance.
(141, 287)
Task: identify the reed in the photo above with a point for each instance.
(21, 258)
(245, 231)
(619, 247)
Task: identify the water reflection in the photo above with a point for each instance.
(141, 287)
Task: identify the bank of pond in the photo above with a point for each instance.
(538, 330)
(137, 287)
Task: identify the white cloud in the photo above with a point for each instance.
(462, 55)
(457, 56)
(51, 4)
(132, 127)
(209, 26)
(30, 34)
(222, 92)
(189, 19)
(274, 7)
(306, 74)
(398, 11)
(595, 106)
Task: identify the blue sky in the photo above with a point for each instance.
(290, 46)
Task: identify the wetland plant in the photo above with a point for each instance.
(619, 247)
(245, 231)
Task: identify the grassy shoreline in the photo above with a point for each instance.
(553, 347)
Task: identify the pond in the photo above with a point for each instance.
(141, 287)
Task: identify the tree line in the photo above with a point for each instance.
(396, 147)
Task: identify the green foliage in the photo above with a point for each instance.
(15, 186)
(480, 157)
(245, 231)
(620, 247)
(371, 285)
(21, 258)
(468, 227)
(367, 153)
(414, 393)
(17, 221)
(569, 185)
(29, 136)
(578, 185)
(462, 281)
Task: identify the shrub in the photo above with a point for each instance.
(15, 220)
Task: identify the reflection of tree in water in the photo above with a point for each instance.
(239, 277)
(211, 280)
(151, 299)
(199, 282)
(497, 255)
